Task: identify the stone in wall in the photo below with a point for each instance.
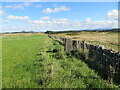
(74, 44)
(68, 45)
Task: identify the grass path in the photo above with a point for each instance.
(42, 63)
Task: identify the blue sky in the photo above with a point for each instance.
(60, 0)
(42, 16)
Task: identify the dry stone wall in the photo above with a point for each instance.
(108, 61)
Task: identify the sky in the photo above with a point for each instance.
(57, 16)
(60, 0)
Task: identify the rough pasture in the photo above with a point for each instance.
(107, 39)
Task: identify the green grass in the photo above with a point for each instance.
(40, 62)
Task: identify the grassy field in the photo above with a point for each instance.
(107, 39)
(36, 61)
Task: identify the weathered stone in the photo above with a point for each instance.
(68, 45)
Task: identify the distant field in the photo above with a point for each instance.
(36, 61)
(108, 39)
(13, 35)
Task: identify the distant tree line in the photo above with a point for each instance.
(76, 31)
(22, 32)
(70, 31)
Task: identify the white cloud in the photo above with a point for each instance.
(23, 5)
(1, 12)
(62, 8)
(8, 6)
(26, 4)
(18, 6)
(45, 18)
(1, 19)
(61, 24)
(11, 17)
(61, 20)
(88, 20)
(112, 15)
(47, 10)
(55, 10)
(36, 21)
(7, 21)
(0, 6)
(47, 23)
(104, 24)
(49, 20)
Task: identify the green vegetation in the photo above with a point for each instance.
(37, 61)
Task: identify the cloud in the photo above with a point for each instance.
(15, 6)
(18, 6)
(60, 24)
(7, 21)
(103, 24)
(8, 6)
(1, 19)
(47, 10)
(36, 21)
(112, 15)
(88, 20)
(0, 6)
(23, 5)
(47, 23)
(62, 8)
(26, 4)
(55, 10)
(61, 20)
(48, 20)
(11, 17)
(1, 12)
(45, 18)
